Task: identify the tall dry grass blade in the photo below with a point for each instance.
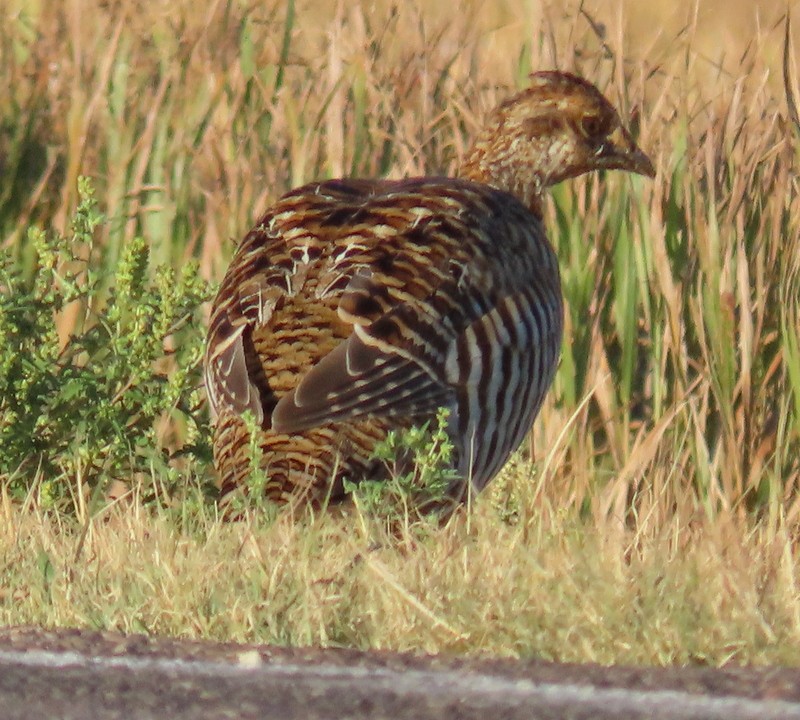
(787, 81)
(614, 498)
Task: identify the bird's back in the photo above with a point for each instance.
(355, 307)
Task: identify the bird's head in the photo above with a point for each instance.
(558, 128)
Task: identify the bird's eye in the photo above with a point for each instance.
(592, 126)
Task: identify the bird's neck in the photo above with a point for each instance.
(506, 173)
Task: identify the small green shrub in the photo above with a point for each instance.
(251, 499)
(419, 461)
(119, 398)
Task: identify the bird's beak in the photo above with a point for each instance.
(620, 152)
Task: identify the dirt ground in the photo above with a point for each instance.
(82, 674)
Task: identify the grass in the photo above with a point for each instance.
(548, 586)
(653, 518)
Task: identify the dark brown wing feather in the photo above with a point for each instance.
(354, 381)
(385, 367)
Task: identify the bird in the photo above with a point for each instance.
(358, 307)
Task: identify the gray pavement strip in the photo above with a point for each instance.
(140, 681)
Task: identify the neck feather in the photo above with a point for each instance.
(496, 164)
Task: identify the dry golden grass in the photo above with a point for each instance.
(549, 585)
(657, 520)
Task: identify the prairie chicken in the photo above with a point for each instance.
(355, 307)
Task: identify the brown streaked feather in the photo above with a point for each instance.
(233, 381)
(356, 380)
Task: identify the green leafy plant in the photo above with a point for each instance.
(251, 499)
(419, 460)
(99, 370)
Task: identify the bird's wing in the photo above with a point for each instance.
(233, 377)
(411, 264)
(391, 365)
(269, 266)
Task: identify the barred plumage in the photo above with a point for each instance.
(359, 306)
